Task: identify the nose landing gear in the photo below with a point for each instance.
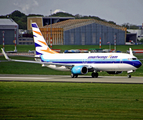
(129, 76)
(130, 71)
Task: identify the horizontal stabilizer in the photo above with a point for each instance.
(26, 61)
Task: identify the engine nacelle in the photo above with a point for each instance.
(114, 72)
(79, 70)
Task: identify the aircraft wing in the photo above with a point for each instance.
(31, 61)
(26, 61)
(90, 68)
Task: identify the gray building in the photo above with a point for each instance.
(89, 31)
(10, 29)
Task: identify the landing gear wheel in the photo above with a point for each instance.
(94, 75)
(74, 76)
(129, 76)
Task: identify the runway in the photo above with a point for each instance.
(66, 78)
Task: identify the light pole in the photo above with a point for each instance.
(51, 41)
(15, 39)
(3, 38)
(100, 39)
(115, 43)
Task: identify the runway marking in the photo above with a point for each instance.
(23, 78)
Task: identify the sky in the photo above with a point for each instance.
(119, 11)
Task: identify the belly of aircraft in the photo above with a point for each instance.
(114, 67)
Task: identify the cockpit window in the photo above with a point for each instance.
(135, 59)
(132, 58)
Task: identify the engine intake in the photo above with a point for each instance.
(80, 70)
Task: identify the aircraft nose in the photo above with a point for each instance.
(138, 64)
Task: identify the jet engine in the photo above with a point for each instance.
(80, 70)
(114, 72)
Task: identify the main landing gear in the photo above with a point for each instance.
(94, 75)
(74, 75)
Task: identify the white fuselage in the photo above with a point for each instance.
(99, 61)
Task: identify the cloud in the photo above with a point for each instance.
(26, 6)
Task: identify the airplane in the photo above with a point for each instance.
(80, 63)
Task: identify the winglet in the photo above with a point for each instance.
(131, 53)
(5, 55)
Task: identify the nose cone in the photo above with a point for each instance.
(138, 64)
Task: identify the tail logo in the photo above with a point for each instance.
(38, 33)
(41, 46)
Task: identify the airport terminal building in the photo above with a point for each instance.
(8, 31)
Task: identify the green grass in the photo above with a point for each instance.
(34, 101)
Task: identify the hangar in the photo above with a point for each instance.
(42, 21)
(84, 32)
(8, 31)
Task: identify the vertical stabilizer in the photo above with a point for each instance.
(131, 53)
(41, 46)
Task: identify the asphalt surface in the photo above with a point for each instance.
(66, 78)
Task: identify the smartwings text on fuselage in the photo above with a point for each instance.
(102, 57)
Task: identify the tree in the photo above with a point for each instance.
(31, 15)
(17, 13)
(130, 26)
(112, 22)
(141, 40)
(78, 16)
(62, 14)
(127, 25)
(19, 18)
